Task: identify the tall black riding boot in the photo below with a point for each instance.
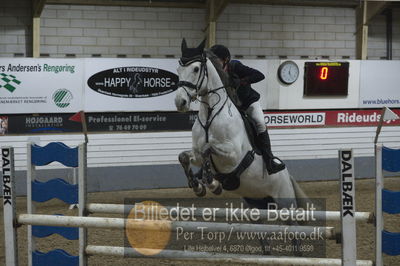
(273, 164)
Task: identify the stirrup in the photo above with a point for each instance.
(273, 167)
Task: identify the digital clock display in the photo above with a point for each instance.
(326, 78)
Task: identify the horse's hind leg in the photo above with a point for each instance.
(261, 204)
(198, 188)
(287, 198)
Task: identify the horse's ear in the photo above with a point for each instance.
(183, 45)
(202, 45)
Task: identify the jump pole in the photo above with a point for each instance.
(157, 225)
(216, 257)
(222, 212)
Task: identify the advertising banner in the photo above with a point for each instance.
(138, 84)
(30, 85)
(97, 122)
(329, 118)
(173, 121)
(130, 84)
(379, 84)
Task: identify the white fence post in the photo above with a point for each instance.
(82, 202)
(378, 205)
(9, 206)
(30, 177)
(348, 207)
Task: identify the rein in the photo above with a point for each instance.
(186, 84)
(207, 125)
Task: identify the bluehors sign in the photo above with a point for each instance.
(133, 82)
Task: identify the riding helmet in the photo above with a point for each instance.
(221, 51)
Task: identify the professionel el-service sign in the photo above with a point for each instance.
(30, 85)
(130, 84)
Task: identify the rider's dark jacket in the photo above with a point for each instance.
(242, 77)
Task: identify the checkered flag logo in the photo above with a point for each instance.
(8, 82)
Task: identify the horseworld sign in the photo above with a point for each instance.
(133, 82)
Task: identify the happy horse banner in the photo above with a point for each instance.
(40, 85)
(130, 84)
(139, 84)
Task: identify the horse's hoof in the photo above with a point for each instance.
(184, 158)
(193, 183)
(200, 191)
(218, 190)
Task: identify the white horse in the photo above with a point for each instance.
(219, 139)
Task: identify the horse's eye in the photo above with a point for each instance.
(196, 69)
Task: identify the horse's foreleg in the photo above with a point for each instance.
(185, 158)
(287, 198)
(207, 176)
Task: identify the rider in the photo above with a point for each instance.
(244, 76)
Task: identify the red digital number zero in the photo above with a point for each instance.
(324, 73)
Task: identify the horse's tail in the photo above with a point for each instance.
(301, 198)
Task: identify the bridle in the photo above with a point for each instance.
(203, 74)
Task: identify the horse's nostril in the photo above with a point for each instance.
(183, 102)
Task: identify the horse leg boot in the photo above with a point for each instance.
(207, 175)
(273, 164)
(193, 181)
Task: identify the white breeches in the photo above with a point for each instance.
(256, 113)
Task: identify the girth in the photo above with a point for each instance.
(231, 181)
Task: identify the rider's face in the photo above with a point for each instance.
(224, 63)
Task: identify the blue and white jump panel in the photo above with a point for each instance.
(386, 201)
(55, 188)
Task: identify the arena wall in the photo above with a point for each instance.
(251, 31)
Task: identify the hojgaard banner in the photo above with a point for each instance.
(40, 85)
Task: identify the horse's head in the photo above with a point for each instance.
(192, 74)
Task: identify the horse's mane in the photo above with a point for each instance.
(224, 77)
(216, 63)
